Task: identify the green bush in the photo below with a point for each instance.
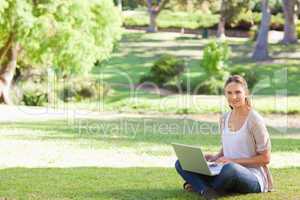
(131, 4)
(34, 94)
(275, 6)
(277, 22)
(68, 93)
(166, 68)
(215, 64)
(298, 30)
(196, 20)
(31, 88)
(170, 19)
(33, 98)
(135, 18)
(191, 20)
(243, 21)
(210, 86)
(253, 32)
(78, 89)
(256, 16)
(215, 59)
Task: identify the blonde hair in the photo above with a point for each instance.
(240, 80)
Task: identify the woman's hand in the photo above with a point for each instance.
(224, 160)
(210, 157)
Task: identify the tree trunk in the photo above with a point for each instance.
(7, 73)
(289, 24)
(120, 5)
(153, 13)
(153, 25)
(261, 46)
(190, 5)
(221, 28)
(222, 21)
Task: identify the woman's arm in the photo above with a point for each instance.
(262, 158)
(212, 158)
(220, 154)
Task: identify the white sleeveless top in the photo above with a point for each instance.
(238, 144)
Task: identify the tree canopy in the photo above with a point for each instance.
(70, 35)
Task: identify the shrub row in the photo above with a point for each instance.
(165, 72)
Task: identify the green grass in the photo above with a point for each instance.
(141, 135)
(126, 183)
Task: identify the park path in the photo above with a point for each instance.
(25, 153)
(51, 153)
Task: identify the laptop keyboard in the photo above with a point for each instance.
(215, 167)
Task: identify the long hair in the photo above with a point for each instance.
(240, 80)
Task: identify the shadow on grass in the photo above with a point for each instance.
(184, 38)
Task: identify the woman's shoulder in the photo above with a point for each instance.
(222, 119)
(255, 117)
(224, 115)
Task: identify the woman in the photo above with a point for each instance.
(245, 151)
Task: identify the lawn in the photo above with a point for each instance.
(143, 136)
(119, 184)
(140, 134)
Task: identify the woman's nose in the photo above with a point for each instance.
(233, 96)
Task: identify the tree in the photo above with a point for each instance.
(69, 36)
(186, 5)
(230, 9)
(289, 24)
(261, 47)
(154, 8)
(120, 5)
(222, 21)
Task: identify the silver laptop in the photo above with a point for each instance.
(192, 159)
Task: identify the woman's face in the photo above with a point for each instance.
(235, 94)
